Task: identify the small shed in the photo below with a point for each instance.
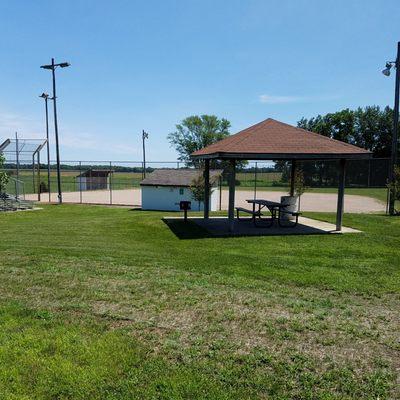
(92, 179)
(163, 189)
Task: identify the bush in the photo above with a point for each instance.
(4, 178)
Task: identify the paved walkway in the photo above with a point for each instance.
(325, 202)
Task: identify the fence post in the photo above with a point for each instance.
(220, 192)
(33, 173)
(38, 175)
(17, 162)
(110, 184)
(80, 182)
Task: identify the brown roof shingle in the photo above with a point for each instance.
(177, 177)
(275, 139)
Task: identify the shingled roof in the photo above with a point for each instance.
(177, 177)
(273, 140)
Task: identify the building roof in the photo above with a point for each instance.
(177, 177)
(95, 173)
(273, 140)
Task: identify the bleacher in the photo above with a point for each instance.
(9, 202)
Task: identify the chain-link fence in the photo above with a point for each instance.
(118, 182)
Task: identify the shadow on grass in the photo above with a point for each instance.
(186, 230)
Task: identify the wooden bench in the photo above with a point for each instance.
(247, 211)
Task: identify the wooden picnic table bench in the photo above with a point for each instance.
(276, 209)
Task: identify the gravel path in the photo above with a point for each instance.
(309, 201)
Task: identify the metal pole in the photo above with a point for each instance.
(220, 192)
(33, 173)
(53, 70)
(231, 204)
(80, 182)
(110, 183)
(48, 148)
(38, 163)
(340, 201)
(144, 136)
(206, 189)
(17, 162)
(395, 132)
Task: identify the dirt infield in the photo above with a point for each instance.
(325, 202)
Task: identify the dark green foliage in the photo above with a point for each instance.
(4, 178)
(369, 127)
(395, 185)
(196, 132)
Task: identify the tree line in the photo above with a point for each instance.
(370, 128)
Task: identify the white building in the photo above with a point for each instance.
(163, 189)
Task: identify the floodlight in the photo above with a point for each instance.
(386, 71)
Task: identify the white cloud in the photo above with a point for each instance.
(269, 99)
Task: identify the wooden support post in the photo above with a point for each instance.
(292, 175)
(206, 189)
(340, 200)
(231, 206)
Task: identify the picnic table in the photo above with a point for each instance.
(276, 209)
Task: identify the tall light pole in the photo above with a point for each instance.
(53, 67)
(386, 72)
(45, 96)
(145, 136)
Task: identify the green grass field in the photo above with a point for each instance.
(107, 303)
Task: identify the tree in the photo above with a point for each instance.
(394, 186)
(369, 127)
(198, 187)
(3, 176)
(196, 132)
(299, 186)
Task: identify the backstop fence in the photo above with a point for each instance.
(118, 182)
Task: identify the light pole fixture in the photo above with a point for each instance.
(53, 67)
(145, 136)
(46, 97)
(386, 72)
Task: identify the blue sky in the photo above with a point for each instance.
(148, 64)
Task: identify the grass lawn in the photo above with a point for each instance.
(107, 303)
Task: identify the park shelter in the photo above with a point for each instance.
(164, 189)
(94, 179)
(275, 140)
